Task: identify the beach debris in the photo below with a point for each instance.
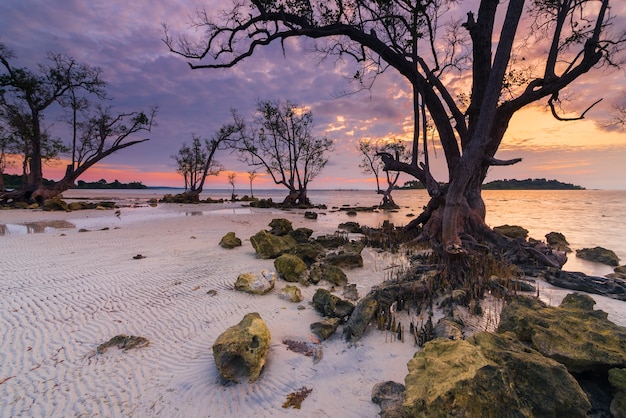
(291, 293)
(330, 305)
(138, 257)
(290, 267)
(309, 349)
(241, 350)
(295, 399)
(256, 284)
(123, 342)
(599, 255)
(230, 241)
(325, 328)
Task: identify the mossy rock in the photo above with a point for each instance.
(617, 379)
(325, 328)
(55, 204)
(256, 284)
(230, 241)
(599, 255)
(291, 293)
(309, 252)
(280, 226)
(268, 245)
(290, 267)
(330, 305)
(363, 314)
(512, 231)
(301, 235)
(328, 272)
(489, 375)
(558, 241)
(240, 351)
(574, 334)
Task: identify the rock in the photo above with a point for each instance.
(310, 215)
(301, 235)
(351, 226)
(512, 231)
(574, 334)
(241, 350)
(599, 255)
(330, 305)
(617, 379)
(345, 259)
(290, 267)
(328, 272)
(448, 327)
(389, 396)
(55, 204)
(613, 287)
(325, 328)
(489, 375)
(256, 284)
(363, 314)
(291, 293)
(268, 245)
(558, 241)
(309, 252)
(350, 292)
(230, 241)
(332, 241)
(280, 227)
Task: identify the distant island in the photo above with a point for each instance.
(14, 181)
(512, 184)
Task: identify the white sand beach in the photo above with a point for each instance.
(64, 292)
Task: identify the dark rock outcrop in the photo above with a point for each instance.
(330, 305)
(325, 328)
(607, 286)
(599, 255)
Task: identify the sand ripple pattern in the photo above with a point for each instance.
(63, 294)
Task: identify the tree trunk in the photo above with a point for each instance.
(296, 197)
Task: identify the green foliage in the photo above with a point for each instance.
(102, 184)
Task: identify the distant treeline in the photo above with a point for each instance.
(14, 181)
(528, 184)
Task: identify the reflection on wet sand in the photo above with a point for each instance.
(34, 227)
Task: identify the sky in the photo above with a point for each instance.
(124, 39)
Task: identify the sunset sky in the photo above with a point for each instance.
(124, 40)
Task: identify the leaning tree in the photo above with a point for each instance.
(26, 96)
(424, 41)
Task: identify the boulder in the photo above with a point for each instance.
(363, 314)
(230, 240)
(55, 204)
(310, 215)
(328, 272)
(617, 379)
(301, 235)
(241, 350)
(268, 245)
(330, 305)
(309, 252)
(448, 327)
(325, 328)
(256, 284)
(512, 231)
(280, 227)
(489, 375)
(290, 267)
(574, 334)
(351, 226)
(389, 396)
(350, 292)
(345, 259)
(558, 241)
(332, 241)
(291, 293)
(599, 255)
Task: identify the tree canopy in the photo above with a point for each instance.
(468, 75)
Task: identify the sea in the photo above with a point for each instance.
(587, 218)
